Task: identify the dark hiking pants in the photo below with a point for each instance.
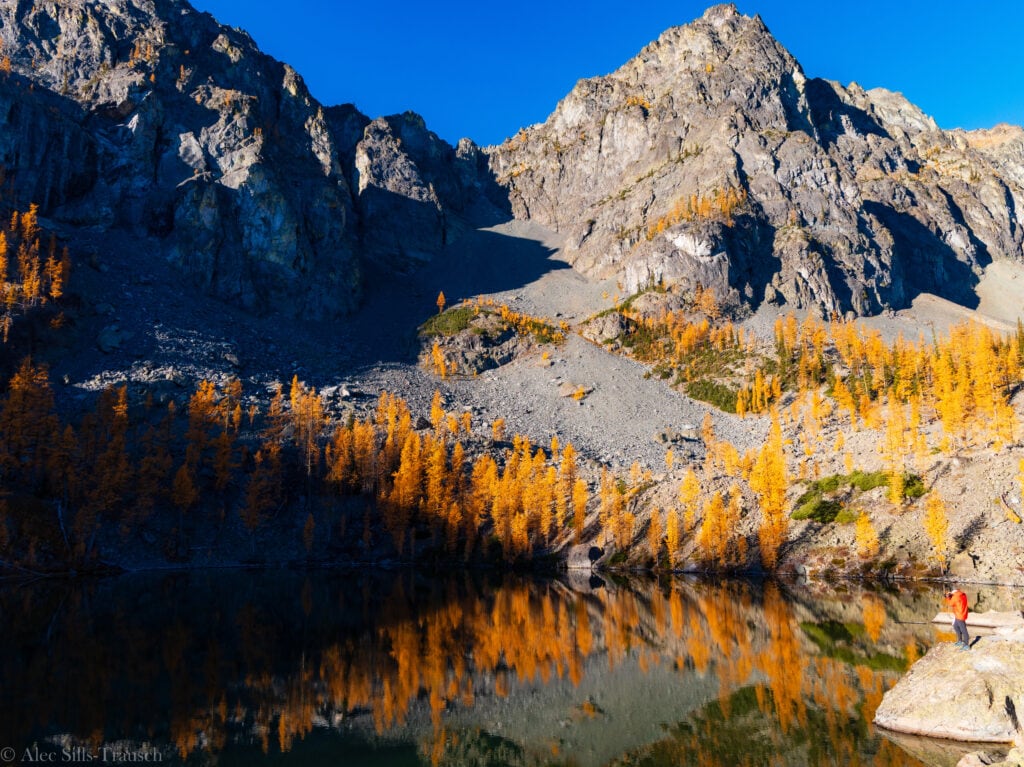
(960, 627)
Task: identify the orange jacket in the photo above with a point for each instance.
(957, 602)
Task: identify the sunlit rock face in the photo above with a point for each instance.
(842, 199)
(969, 695)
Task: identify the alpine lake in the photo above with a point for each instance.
(357, 667)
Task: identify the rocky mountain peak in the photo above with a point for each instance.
(721, 13)
(711, 159)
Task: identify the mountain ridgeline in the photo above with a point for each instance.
(710, 159)
(147, 116)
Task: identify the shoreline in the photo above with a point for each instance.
(784, 577)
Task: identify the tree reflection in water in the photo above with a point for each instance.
(215, 664)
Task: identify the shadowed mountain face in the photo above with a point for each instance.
(711, 158)
(708, 159)
(148, 116)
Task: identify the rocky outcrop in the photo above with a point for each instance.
(582, 556)
(1015, 758)
(150, 116)
(47, 156)
(195, 139)
(415, 192)
(973, 695)
(481, 341)
(712, 159)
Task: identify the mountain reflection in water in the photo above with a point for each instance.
(339, 667)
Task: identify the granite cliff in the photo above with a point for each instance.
(147, 116)
(841, 198)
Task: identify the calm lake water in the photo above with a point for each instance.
(344, 668)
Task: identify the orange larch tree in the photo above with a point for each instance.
(769, 480)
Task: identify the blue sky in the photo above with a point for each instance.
(483, 69)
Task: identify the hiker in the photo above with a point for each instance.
(957, 601)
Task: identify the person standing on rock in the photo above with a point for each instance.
(957, 601)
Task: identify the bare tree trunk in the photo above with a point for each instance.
(60, 521)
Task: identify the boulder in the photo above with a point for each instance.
(961, 695)
(570, 389)
(672, 436)
(583, 556)
(111, 338)
(605, 328)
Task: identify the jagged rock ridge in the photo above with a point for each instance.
(855, 200)
(148, 115)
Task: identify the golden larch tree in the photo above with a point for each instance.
(437, 414)
(769, 480)
(672, 533)
(183, 489)
(936, 525)
(579, 508)
(866, 537)
(263, 493)
(689, 495)
(713, 540)
(895, 450)
(654, 533)
(28, 424)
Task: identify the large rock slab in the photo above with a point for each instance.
(989, 620)
(973, 696)
(582, 556)
(936, 752)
